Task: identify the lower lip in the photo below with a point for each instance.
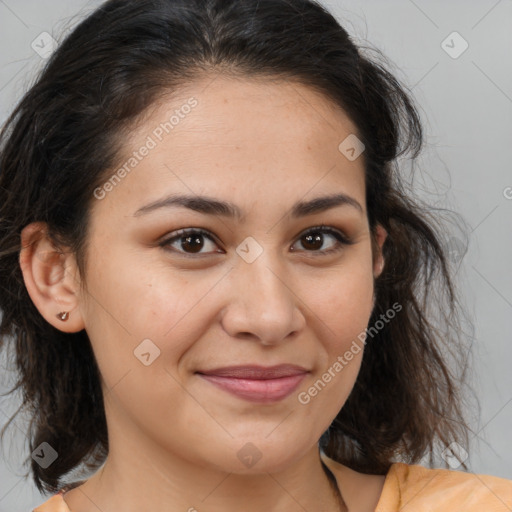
(261, 391)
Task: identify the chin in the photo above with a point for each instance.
(257, 456)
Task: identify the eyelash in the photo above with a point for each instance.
(338, 235)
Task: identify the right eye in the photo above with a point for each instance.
(190, 239)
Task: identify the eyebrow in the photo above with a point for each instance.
(211, 206)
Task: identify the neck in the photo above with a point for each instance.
(148, 478)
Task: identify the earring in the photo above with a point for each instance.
(63, 316)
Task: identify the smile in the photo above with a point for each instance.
(256, 384)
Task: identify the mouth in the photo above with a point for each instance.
(257, 383)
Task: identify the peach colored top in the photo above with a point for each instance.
(414, 488)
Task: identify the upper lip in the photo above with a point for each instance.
(256, 372)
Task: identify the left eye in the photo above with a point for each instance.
(191, 241)
(315, 237)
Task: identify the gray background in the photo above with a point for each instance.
(466, 105)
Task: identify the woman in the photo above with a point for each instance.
(216, 285)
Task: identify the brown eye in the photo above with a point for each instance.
(313, 241)
(194, 243)
(315, 238)
(189, 242)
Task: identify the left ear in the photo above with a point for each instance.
(378, 260)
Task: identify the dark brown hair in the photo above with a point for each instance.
(65, 136)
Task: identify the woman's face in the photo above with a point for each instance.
(255, 289)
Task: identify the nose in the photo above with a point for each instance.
(263, 302)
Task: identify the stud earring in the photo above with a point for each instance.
(63, 316)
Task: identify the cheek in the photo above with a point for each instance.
(347, 305)
(135, 309)
(344, 298)
(343, 306)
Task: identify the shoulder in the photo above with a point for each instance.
(55, 504)
(417, 488)
(360, 491)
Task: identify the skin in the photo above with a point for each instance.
(174, 437)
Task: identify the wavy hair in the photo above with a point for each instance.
(65, 136)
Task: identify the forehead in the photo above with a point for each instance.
(275, 110)
(219, 135)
